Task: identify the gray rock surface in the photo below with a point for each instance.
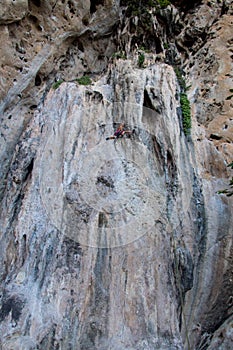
(122, 244)
(223, 337)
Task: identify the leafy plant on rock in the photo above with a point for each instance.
(141, 59)
(186, 113)
(119, 54)
(184, 102)
(136, 8)
(84, 80)
(163, 3)
(57, 84)
(143, 28)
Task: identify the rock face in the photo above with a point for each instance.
(12, 11)
(122, 244)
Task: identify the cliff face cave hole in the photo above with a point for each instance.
(171, 166)
(76, 43)
(36, 3)
(71, 7)
(147, 101)
(35, 21)
(37, 80)
(94, 5)
(24, 247)
(102, 220)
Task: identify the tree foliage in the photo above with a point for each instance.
(84, 80)
(186, 113)
(139, 7)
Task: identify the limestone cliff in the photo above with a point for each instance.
(122, 244)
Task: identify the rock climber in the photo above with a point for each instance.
(120, 132)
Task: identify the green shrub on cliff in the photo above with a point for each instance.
(186, 113)
(84, 80)
(136, 8)
(119, 54)
(184, 102)
(164, 3)
(143, 28)
(57, 84)
(141, 59)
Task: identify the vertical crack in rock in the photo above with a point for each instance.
(96, 328)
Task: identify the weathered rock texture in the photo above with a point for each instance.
(122, 244)
(12, 11)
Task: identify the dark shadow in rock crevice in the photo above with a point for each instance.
(94, 5)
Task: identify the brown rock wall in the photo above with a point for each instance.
(125, 244)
